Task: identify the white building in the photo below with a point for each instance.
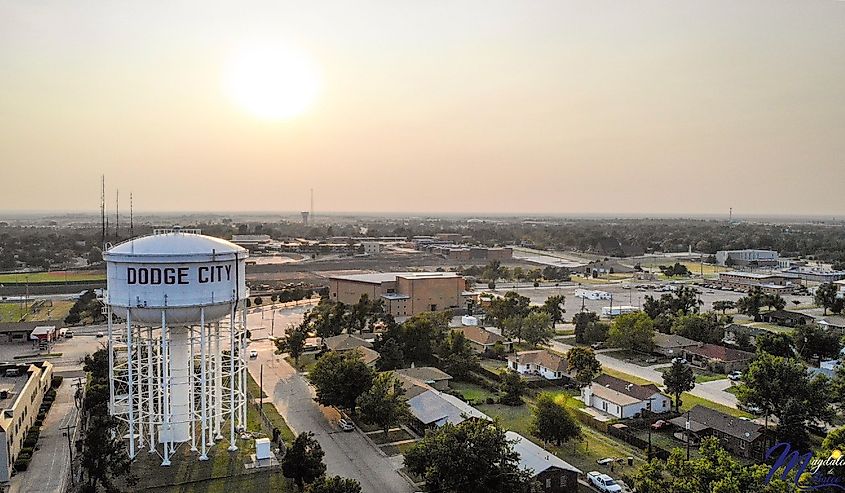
(550, 366)
(372, 247)
(592, 294)
(747, 257)
(616, 310)
(623, 399)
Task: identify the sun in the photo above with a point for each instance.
(272, 82)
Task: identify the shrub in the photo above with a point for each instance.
(41, 416)
(30, 442)
(21, 464)
(56, 381)
(38, 422)
(490, 400)
(25, 450)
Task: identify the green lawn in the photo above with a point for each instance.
(701, 376)
(14, 312)
(11, 312)
(392, 436)
(640, 359)
(472, 392)
(56, 276)
(306, 362)
(252, 387)
(688, 401)
(278, 422)
(625, 376)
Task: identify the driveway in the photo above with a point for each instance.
(346, 454)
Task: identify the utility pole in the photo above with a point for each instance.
(261, 388)
(131, 219)
(67, 432)
(687, 427)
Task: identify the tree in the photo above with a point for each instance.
(471, 457)
(333, 484)
(596, 332)
(383, 405)
(512, 327)
(537, 328)
(826, 296)
(294, 342)
(777, 344)
(584, 361)
(634, 331)
(811, 340)
(552, 421)
(391, 356)
(679, 378)
(512, 386)
(781, 387)
(422, 334)
(774, 301)
(303, 461)
(458, 358)
(683, 301)
(512, 304)
(554, 307)
(582, 321)
(715, 470)
(723, 305)
(751, 303)
(700, 327)
(493, 271)
(340, 378)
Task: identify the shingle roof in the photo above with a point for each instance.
(638, 392)
(424, 373)
(345, 342)
(721, 353)
(662, 340)
(788, 315)
(480, 335)
(703, 417)
(433, 407)
(534, 457)
(542, 357)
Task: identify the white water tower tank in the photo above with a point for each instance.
(176, 272)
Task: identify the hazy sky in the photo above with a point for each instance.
(430, 106)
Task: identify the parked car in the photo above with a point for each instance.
(253, 354)
(682, 360)
(345, 425)
(735, 375)
(99, 335)
(597, 345)
(603, 482)
(69, 334)
(659, 424)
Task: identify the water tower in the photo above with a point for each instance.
(176, 365)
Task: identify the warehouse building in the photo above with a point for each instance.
(403, 293)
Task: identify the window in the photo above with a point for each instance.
(563, 480)
(742, 444)
(548, 482)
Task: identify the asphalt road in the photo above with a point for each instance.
(346, 454)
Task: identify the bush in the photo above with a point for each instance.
(21, 464)
(41, 416)
(38, 422)
(26, 451)
(56, 381)
(30, 442)
(490, 400)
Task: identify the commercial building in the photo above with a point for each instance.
(554, 474)
(251, 241)
(403, 293)
(22, 389)
(623, 399)
(44, 333)
(372, 247)
(758, 258)
(768, 283)
(21, 331)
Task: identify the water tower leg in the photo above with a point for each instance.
(191, 392)
(165, 349)
(232, 379)
(151, 415)
(131, 384)
(218, 384)
(203, 380)
(139, 386)
(111, 360)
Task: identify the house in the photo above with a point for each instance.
(826, 368)
(786, 318)
(624, 399)
(717, 358)
(433, 409)
(368, 356)
(547, 364)
(554, 474)
(20, 331)
(734, 331)
(429, 375)
(738, 436)
(832, 322)
(345, 342)
(482, 340)
(671, 344)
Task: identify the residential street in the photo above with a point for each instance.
(346, 454)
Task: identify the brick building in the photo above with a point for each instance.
(403, 293)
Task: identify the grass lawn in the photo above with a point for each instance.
(493, 365)
(625, 376)
(11, 312)
(701, 376)
(688, 401)
(56, 310)
(252, 387)
(278, 422)
(772, 327)
(472, 392)
(402, 448)
(55, 276)
(306, 362)
(732, 389)
(640, 359)
(392, 436)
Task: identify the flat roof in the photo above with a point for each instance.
(753, 275)
(380, 277)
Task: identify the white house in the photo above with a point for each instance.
(623, 399)
(550, 366)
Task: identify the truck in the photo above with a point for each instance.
(603, 482)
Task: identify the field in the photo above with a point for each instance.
(624, 376)
(472, 392)
(688, 401)
(40, 310)
(58, 276)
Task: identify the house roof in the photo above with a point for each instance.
(541, 357)
(662, 340)
(745, 329)
(368, 356)
(833, 320)
(637, 392)
(424, 373)
(345, 342)
(702, 418)
(721, 353)
(437, 408)
(480, 335)
(534, 457)
(787, 315)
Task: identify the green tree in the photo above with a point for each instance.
(537, 328)
(293, 343)
(782, 388)
(552, 421)
(340, 378)
(704, 327)
(303, 461)
(333, 484)
(458, 358)
(472, 457)
(715, 470)
(391, 356)
(512, 327)
(679, 378)
(584, 361)
(751, 303)
(582, 321)
(774, 301)
(512, 304)
(422, 334)
(811, 340)
(383, 405)
(512, 386)
(634, 331)
(825, 296)
(777, 344)
(104, 456)
(554, 307)
(723, 305)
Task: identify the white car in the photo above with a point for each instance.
(345, 425)
(253, 354)
(735, 375)
(603, 482)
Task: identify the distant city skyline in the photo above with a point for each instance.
(659, 108)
